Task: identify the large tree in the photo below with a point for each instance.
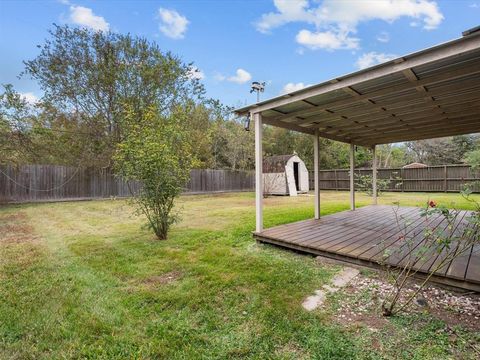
(88, 78)
(450, 150)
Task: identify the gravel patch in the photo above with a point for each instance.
(364, 296)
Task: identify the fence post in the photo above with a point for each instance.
(402, 173)
(336, 179)
(445, 185)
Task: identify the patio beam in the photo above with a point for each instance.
(427, 134)
(405, 107)
(352, 170)
(302, 129)
(257, 117)
(453, 122)
(315, 174)
(365, 127)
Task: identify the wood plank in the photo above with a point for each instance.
(434, 257)
(395, 240)
(458, 268)
(340, 229)
(298, 228)
(473, 268)
(281, 228)
(385, 230)
(401, 252)
(342, 235)
(369, 244)
(380, 224)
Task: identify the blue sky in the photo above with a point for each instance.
(288, 44)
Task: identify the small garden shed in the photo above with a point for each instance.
(284, 175)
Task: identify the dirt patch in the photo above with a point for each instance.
(162, 279)
(14, 229)
(13, 217)
(291, 350)
(374, 322)
(155, 281)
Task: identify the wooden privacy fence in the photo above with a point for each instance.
(443, 178)
(51, 183)
(208, 181)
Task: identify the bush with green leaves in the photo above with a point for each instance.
(156, 153)
(472, 158)
(364, 183)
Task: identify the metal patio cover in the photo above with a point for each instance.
(431, 93)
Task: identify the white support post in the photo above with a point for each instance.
(352, 183)
(257, 117)
(315, 174)
(374, 174)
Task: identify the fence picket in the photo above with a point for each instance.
(445, 178)
(29, 183)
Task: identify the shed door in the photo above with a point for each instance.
(292, 190)
(296, 175)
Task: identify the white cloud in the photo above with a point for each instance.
(291, 87)
(196, 73)
(219, 77)
(241, 77)
(474, 5)
(29, 97)
(334, 21)
(373, 58)
(383, 37)
(84, 16)
(327, 40)
(288, 11)
(172, 23)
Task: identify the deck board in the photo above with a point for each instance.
(364, 235)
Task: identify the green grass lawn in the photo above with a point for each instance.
(85, 280)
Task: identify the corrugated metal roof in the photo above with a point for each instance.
(431, 93)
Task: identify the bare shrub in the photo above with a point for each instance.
(440, 245)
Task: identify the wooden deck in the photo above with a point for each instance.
(364, 235)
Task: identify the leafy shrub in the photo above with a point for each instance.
(364, 183)
(156, 153)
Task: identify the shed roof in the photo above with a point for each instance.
(431, 93)
(415, 165)
(276, 163)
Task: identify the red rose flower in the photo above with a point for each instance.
(432, 203)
